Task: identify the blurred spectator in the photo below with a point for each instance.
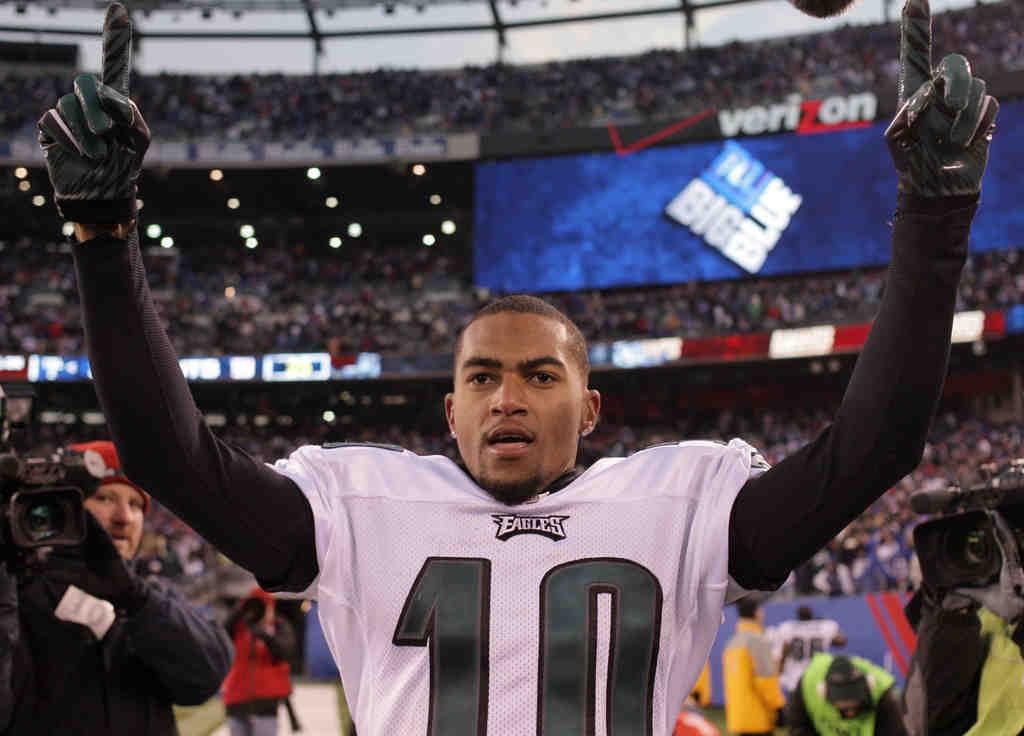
(752, 695)
(260, 679)
(839, 695)
(413, 302)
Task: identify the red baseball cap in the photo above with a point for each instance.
(101, 461)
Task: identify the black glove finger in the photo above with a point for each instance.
(53, 131)
(118, 106)
(915, 48)
(953, 83)
(126, 114)
(983, 133)
(902, 133)
(89, 144)
(117, 47)
(87, 92)
(967, 123)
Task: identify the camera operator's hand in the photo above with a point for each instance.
(94, 140)
(939, 138)
(98, 568)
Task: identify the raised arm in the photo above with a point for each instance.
(94, 142)
(939, 143)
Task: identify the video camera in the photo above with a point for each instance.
(979, 527)
(40, 501)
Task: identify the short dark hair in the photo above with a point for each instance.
(804, 613)
(526, 304)
(747, 607)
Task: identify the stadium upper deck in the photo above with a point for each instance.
(658, 85)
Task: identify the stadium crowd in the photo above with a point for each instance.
(654, 85)
(411, 302)
(875, 553)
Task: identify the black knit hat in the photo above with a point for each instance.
(846, 686)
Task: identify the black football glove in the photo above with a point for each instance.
(939, 138)
(95, 139)
(98, 568)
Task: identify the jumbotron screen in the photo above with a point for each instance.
(726, 209)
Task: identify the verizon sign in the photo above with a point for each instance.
(801, 116)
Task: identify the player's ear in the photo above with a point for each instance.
(591, 411)
(449, 411)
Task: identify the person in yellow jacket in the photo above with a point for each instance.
(753, 697)
(702, 690)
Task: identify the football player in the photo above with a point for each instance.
(797, 640)
(516, 596)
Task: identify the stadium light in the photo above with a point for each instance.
(24, 185)
(251, 243)
(139, 204)
(68, 229)
(233, 203)
(216, 174)
(21, 172)
(334, 242)
(247, 231)
(331, 202)
(167, 242)
(419, 169)
(313, 173)
(39, 200)
(435, 199)
(429, 239)
(329, 416)
(355, 230)
(154, 231)
(448, 227)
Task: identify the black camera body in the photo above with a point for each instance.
(961, 548)
(40, 501)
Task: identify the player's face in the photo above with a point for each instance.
(520, 404)
(119, 509)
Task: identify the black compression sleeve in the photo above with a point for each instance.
(254, 515)
(879, 432)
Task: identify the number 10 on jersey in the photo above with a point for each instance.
(448, 610)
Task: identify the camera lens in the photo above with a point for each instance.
(972, 551)
(977, 548)
(44, 520)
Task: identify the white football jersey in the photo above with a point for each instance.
(806, 638)
(589, 610)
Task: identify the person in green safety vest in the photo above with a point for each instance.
(844, 696)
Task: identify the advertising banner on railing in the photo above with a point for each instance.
(377, 150)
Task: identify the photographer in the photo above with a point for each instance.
(87, 646)
(970, 602)
(260, 679)
(840, 696)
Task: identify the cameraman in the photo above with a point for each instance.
(965, 676)
(88, 647)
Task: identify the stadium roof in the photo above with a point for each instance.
(311, 8)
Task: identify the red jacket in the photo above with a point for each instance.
(257, 673)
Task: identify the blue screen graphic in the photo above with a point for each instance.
(599, 220)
